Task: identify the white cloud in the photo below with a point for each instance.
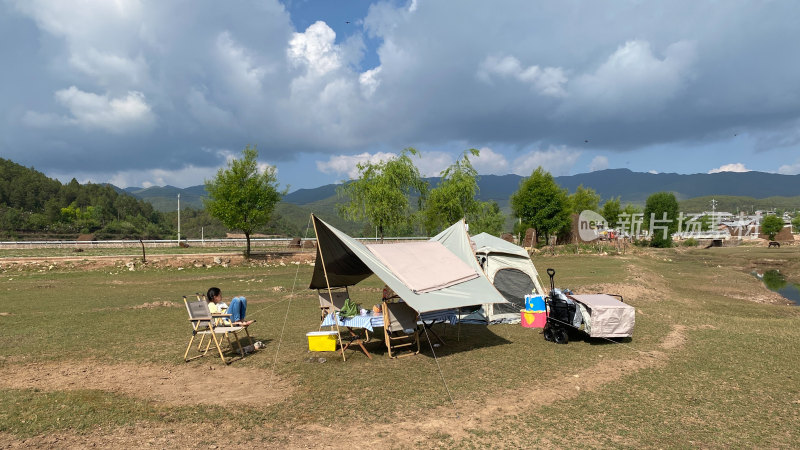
(632, 82)
(546, 81)
(432, 163)
(315, 49)
(346, 164)
(222, 77)
(91, 111)
(186, 176)
(242, 72)
(735, 167)
(790, 169)
(556, 160)
(490, 162)
(654, 172)
(598, 163)
(108, 67)
(370, 80)
(98, 34)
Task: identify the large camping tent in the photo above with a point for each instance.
(441, 273)
(511, 271)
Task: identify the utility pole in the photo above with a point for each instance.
(179, 218)
(713, 215)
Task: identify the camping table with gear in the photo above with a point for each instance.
(432, 276)
(359, 325)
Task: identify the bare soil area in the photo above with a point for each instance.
(208, 384)
(128, 262)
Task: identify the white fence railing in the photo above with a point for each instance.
(151, 243)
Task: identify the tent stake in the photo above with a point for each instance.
(327, 283)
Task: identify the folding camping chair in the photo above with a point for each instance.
(326, 305)
(400, 328)
(219, 319)
(205, 324)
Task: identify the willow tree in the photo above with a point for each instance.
(382, 193)
(241, 196)
(455, 196)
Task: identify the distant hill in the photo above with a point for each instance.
(633, 187)
(733, 190)
(165, 198)
(636, 186)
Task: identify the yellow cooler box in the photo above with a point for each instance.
(321, 341)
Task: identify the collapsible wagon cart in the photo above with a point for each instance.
(597, 315)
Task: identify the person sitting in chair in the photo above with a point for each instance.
(237, 309)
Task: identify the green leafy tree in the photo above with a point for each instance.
(584, 199)
(771, 225)
(611, 211)
(541, 204)
(488, 219)
(662, 209)
(381, 194)
(630, 208)
(241, 196)
(454, 198)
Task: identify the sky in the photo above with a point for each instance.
(152, 93)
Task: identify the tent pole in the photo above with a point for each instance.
(330, 293)
(458, 338)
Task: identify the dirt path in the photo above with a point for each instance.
(187, 385)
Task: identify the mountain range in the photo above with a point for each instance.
(631, 187)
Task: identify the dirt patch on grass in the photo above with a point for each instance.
(179, 385)
(170, 385)
(640, 284)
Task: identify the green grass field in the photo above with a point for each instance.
(707, 367)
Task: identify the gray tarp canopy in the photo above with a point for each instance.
(348, 262)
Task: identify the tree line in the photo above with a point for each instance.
(31, 204)
(389, 196)
(34, 206)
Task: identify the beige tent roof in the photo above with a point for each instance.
(348, 262)
(423, 266)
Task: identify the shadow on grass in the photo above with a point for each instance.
(580, 336)
(469, 337)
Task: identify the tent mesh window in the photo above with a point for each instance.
(514, 284)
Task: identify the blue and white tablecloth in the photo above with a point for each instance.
(371, 321)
